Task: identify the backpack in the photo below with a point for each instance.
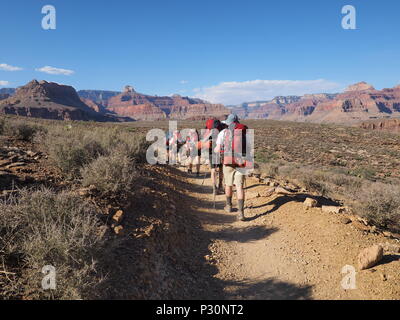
(213, 124)
(210, 125)
(235, 145)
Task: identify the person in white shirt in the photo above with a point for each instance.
(232, 176)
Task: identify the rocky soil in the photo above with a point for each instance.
(287, 250)
(172, 244)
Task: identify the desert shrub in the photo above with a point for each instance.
(40, 228)
(269, 169)
(380, 203)
(21, 130)
(2, 125)
(364, 173)
(110, 174)
(313, 181)
(72, 148)
(134, 146)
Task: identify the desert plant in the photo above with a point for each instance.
(110, 174)
(72, 148)
(21, 130)
(40, 228)
(269, 169)
(380, 203)
(2, 125)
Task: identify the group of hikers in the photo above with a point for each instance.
(226, 144)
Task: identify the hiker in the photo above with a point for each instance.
(215, 159)
(175, 138)
(194, 152)
(232, 141)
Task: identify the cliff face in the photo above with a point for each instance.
(359, 102)
(50, 101)
(4, 96)
(145, 107)
(99, 97)
(384, 124)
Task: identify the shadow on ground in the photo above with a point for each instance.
(170, 263)
(270, 289)
(282, 200)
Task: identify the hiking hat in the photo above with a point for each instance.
(231, 119)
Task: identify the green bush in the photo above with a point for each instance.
(40, 228)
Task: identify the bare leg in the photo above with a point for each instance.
(240, 192)
(213, 173)
(240, 197)
(228, 191)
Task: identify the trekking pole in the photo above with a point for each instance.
(214, 195)
(204, 178)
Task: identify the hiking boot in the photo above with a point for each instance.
(241, 210)
(228, 208)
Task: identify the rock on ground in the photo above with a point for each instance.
(370, 257)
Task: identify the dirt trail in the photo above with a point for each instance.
(287, 251)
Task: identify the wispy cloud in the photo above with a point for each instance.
(183, 81)
(237, 92)
(7, 67)
(57, 71)
(4, 83)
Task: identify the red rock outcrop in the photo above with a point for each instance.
(384, 124)
(359, 102)
(145, 107)
(50, 101)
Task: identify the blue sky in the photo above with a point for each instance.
(215, 49)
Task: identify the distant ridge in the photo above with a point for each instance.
(49, 100)
(359, 102)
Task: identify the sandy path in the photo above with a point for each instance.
(286, 251)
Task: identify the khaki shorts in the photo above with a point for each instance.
(232, 176)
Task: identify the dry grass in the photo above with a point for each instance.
(40, 228)
(20, 129)
(72, 147)
(380, 203)
(110, 174)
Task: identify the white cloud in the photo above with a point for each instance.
(237, 92)
(184, 81)
(52, 70)
(7, 67)
(4, 83)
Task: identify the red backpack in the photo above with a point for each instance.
(235, 145)
(210, 125)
